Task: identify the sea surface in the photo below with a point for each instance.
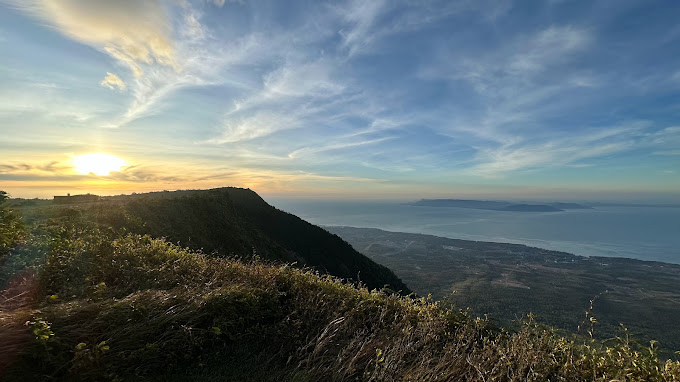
(645, 233)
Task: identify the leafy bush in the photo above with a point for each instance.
(11, 227)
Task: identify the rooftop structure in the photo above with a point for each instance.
(75, 198)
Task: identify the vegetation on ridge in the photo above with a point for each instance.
(102, 304)
(228, 221)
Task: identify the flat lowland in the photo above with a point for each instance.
(508, 281)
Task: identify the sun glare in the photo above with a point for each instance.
(97, 163)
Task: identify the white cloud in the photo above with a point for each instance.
(134, 32)
(113, 82)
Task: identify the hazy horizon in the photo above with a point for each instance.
(623, 198)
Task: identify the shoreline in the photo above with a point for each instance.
(519, 243)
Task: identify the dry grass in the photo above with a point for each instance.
(110, 307)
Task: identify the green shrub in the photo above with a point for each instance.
(11, 228)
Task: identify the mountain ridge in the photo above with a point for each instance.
(243, 214)
(230, 221)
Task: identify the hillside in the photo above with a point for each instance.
(226, 222)
(100, 305)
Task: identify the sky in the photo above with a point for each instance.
(398, 99)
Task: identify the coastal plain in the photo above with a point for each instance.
(509, 281)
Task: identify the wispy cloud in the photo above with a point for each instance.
(665, 142)
(311, 79)
(260, 124)
(550, 46)
(365, 24)
(560, 152)
(667, 152)
(21, 167)
(197, 63)
(518, 85)
(296, 94)
(360, 17)
(337, 146)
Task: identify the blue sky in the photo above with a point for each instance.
(360, 99)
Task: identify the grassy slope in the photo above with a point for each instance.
(105, 306)
(82, 302)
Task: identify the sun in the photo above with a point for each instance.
(97, 163)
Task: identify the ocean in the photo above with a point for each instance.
(645, 233)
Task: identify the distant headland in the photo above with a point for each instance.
(498, 205)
